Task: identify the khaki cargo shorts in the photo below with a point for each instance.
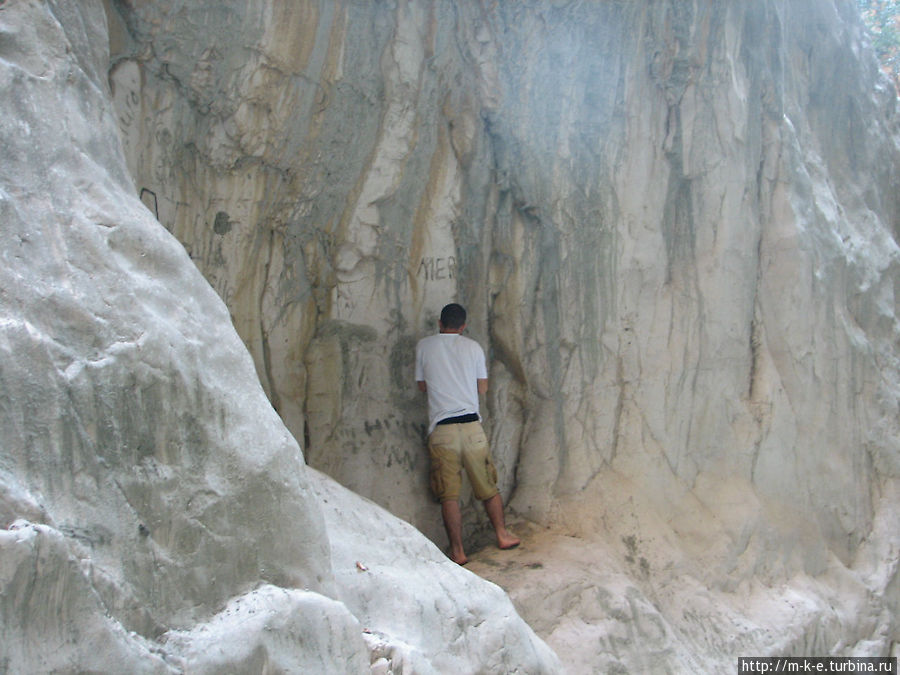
(456, 446)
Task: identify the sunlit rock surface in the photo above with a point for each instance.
(674, 226)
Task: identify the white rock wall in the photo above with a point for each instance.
(675, 227)
(155, 513)
(678, 271)
(336, 238)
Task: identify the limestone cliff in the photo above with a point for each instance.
(675, 226)
(157, 516)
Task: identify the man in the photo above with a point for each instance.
(451, 369)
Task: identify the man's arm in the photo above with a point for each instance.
(422, 386)
(482, 386)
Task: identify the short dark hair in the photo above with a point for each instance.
(453, 316)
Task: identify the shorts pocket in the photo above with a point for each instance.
(491, 470)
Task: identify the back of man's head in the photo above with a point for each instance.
(453, 316)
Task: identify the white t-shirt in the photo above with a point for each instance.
(451, 365)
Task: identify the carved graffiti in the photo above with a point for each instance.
(390, 423)
(148, 197)
(434, 268)
(399, 442)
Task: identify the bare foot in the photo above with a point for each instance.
(506, 541)
(459, 560)
(458, 555)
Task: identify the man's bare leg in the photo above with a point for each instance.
(494, 508)
(453, 524)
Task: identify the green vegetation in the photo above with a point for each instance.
(883, 19)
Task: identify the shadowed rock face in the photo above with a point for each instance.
(674, 226)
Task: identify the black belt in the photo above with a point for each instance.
(461, 419)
